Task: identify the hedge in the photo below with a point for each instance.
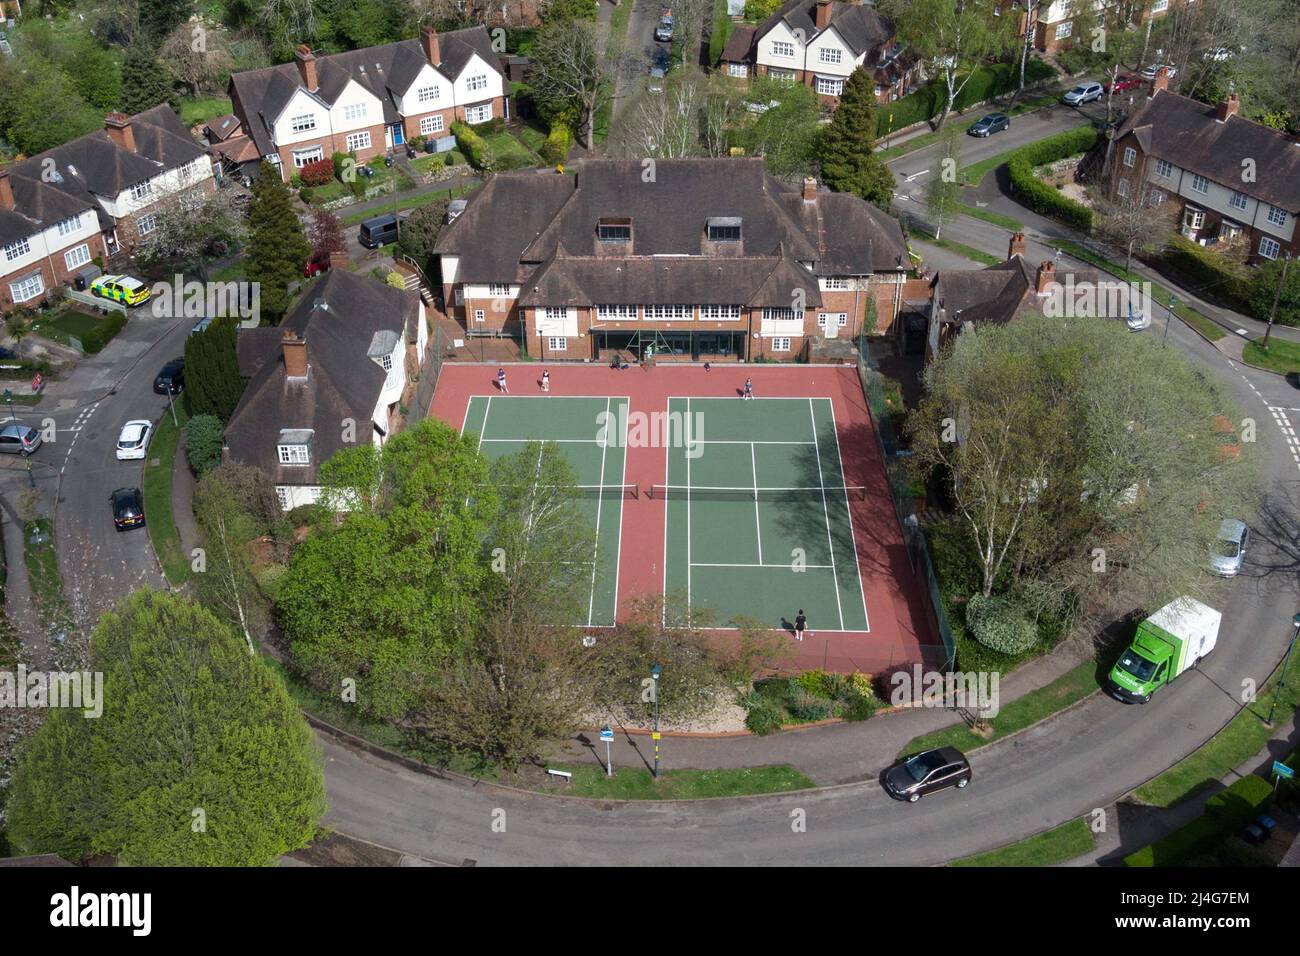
(557, 144)
(1223, 280)
(1225, 812)
(984, 84)
(99, 336)
(475, 148)
(1035, 194)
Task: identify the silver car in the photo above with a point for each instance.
(18, 438)
(1229, 547)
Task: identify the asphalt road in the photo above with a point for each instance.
(639, 50)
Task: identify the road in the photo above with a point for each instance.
(638, 51)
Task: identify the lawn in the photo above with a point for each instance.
(996, 218)
(200, 109)
(637, 783)
(158, 496)
(510, 153)
(1070, 688)
(1055, 846)
(66, 324)
(42, 561)
(1280, 356)
(975, 172)
(961, 249)
(406, 205)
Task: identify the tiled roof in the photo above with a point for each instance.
(862, 27)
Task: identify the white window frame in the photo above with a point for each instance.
(828, 54)
(483, 111)
(282, 493)
(828, 87)
(431, 124)
(356, 141)
(293, 454)
(1065, 30)
(303, 124)
(616, 313)
(386, 361)
(557, 343)
(737, 69)
(28, 288)
(1164, 169)
(355, 111)
(782, 49)
(1160, 6)
(305, 157)
(670, 313)
(1200, 184)
(480, 315)
(555, 314)
(17, 249)
(720, 313)
(1276, 216)
(835, 284)
(141, 190)
(476, 82)
(426, 94)
(77, 257)
(1122, 189)
(779, 315)
(1197, 218)
(146, 224)
(1238, 200)
(498, 289)
(70, 224)
(1130, 156)
(1269, 247)
(781, 344)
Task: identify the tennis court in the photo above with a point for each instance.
(505, 425)
(758, 516)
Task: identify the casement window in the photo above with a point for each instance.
(670, 313)
(476, 82)
(78, 256)
(781, 345)
(28, 288)
(1269, 248)
(781, 76)
(1193, 218)
(720, 313)
(498, 288)
(282, 492)
(616, 313)
(835, 284)
(386, 361)
(781, 48)
(146, 224)
(724, 231)
(1160, 6)
(737, 69)
(294, 454)
(557, 343)
(614, 232)
(69, 225)
(779, 315)
(1164, 169)
(426, 94)
(141, 190)
(480, 315)
(478, 114)
(1130, 156)
(552, 314)
(430, 124)
(1238, 201)
(357, 141)
(837, 319)
(1200, 184)
(1123, 189)
(301, 124)
(1276, 216)
(1155, 197)
(830, 55)
(1064, 30)
(828, 87)
(305, 157)
(354, 111)
(15, 249)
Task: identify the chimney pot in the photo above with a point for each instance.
(1017, 247)
(823, 18)
(1046, 276)
(809, 189)
(1229, 107)
(339, 259)
(295, 354)
(6, 190)
(118, 127)
(1161, 81)
(432, 50)
(306, 66)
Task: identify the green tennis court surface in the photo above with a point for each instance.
(506, 425)
(758, 521)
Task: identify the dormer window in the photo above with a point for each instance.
(294, 447)
(724, 229)
(614, 230)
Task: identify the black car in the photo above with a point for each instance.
(927, 772)
(128, 508)
(171, 378)
(988, 125)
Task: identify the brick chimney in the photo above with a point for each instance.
(1161, 81)
(6, 190)
(339, 259)
(1017, 247)
(1046, 276)
(823, 17)
(295, 354)
(1228, 107)
(118, 127)
(429, 40)
(809, 189)
(306, 66)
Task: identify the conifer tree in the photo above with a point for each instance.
(277, 247)
(145, 83)
(848, 161)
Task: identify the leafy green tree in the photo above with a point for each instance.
(569, 10)
(145, 82)
(40, 108)
(786, 133)
(383, 595)
(160, 17)
(277, 247)
(1264, 293)
(420, 234)
(849, 162)
(212, 370)
(203, 440)
(200, 757)
(569, 78)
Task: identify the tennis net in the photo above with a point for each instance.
(576, 491)
(714, 493)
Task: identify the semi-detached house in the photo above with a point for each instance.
(368, 101)
(96, 196)
(694, 258)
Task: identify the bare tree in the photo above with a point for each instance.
(570, 75)
(664, 125)
(198, 54)
(1136, 217)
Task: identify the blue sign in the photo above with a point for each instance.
(1282, 770)
(606, 734)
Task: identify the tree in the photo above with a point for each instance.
(420, 233)
(943, 191)
(569, 10)
(40, 108)
(1268, 278)
(1136, 222)
(849, 161)
(19, 323)
(326, 235)
(212, 370)
(197, 53)
(786, 131)
(690, 17)
(277, 248)
(158, 18)
(664, 125)
(145, 82)
(203, 441)
(955, 37)
(188, 228)
(200, 757)
(569, 77)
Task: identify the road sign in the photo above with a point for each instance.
(37, 381)
(1282, 770)
(606, 734)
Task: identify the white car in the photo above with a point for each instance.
(1150, 72)
(133, 442)
(1138, 319)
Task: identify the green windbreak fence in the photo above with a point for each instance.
(900, 485)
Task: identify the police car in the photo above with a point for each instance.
(122, 289)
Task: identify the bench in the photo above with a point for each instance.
(563, 774)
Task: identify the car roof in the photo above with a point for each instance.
(951, 755)
(385, 219)
(1231, 528)
(174, 364)
(136, 425)
(121, 492)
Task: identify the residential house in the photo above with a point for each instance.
(695, 258)
(1233, 180)
(819, 43)
(330, 376)
(367, 101)
(1054, 21)
(96, 196)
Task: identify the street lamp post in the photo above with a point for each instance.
(1169, 316)
(9, 397)
(655, 671)
(1281, 682)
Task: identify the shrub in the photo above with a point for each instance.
(986, 83)
(557, 144)
(305, 193)
(1033, 193)
(999, 624)
(474, 146)
(318, 173)
(103, 332)
(814, 682)
(806, 706)
(339, 161)
(303, 515)
(1221, 279)
(203, 440)
(764, 717)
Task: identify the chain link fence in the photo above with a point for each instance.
(428, 382)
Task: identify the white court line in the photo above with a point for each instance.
(688, 525)
(848, 513)
(758, 522)
(558, 441)
(782, 567)
(487, 413)
(600, 506)
(812, 417)
(663, 610)
(618, 546)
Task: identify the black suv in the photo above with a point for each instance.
(171, 378)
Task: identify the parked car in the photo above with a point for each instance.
(1150, 72)
(1083, 93)
(664, 29)
(133, 440)
(122, 289)
(18, 438)
(1229, 547)
(658, 70)
(128, 508)
(170, 378)
(1125, 81)
(927, 772)
(1137, 321)
(378, 231)
(988, 125)
(315, 267)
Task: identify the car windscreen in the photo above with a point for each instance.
(1226, 548)
(920, 766)
(1137, 665)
